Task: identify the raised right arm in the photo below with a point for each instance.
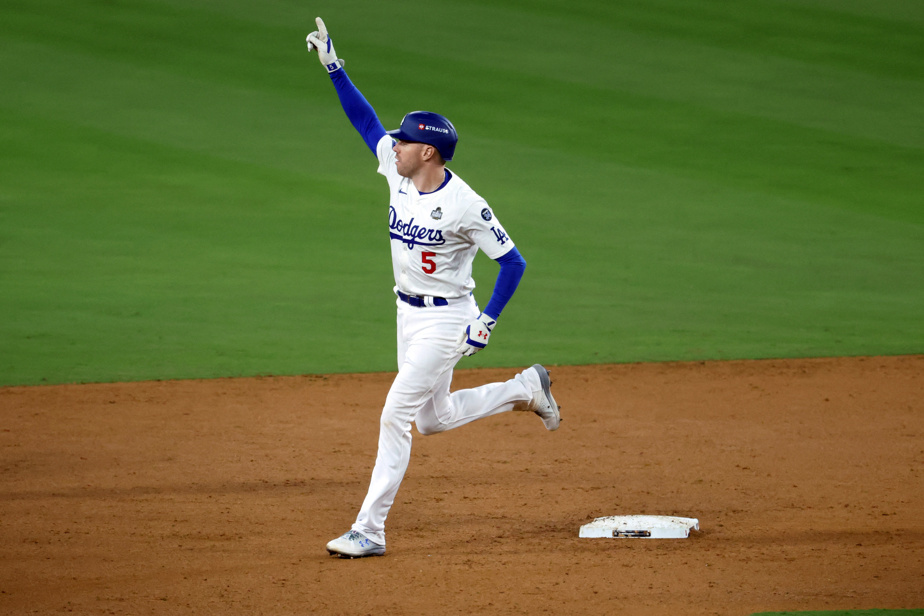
(357, 108)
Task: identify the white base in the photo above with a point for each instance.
(643, 526)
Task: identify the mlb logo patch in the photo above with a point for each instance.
(420, 127)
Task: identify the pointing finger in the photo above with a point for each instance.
(321, 28)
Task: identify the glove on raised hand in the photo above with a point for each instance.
(320, 41)
(475, 335)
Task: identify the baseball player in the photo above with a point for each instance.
(437, 224)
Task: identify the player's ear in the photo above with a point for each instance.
(431, 153)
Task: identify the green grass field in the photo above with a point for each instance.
(848, 613)
(181, 195)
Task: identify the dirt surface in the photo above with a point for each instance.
(217, 497)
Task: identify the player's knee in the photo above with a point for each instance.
(429, 425)
(394, 420)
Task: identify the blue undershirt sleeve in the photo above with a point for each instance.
(512, 266)
(358, 110)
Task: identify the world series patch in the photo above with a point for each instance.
(486, 214)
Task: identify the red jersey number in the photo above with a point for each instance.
(429, 266)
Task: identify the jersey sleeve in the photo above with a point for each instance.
(485, 231)
(385, 154)
(387, 168)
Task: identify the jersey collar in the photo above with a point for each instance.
(440, 187)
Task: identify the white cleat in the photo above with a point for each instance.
(546, 407)
(354, 545)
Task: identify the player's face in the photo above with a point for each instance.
(408, 157)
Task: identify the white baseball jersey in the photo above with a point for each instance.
(435, 236)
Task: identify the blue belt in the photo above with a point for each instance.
(420, 301)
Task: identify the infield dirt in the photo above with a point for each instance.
(217, 497)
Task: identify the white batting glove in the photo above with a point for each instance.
(475, 335)
(320, 41)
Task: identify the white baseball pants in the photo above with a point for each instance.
(427, 342)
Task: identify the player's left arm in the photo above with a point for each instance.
(512, 266)
(476, 334)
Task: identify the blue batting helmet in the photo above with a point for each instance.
(430, 128)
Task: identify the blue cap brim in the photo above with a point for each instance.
(401, 136)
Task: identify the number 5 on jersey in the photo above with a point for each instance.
(429, 266)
